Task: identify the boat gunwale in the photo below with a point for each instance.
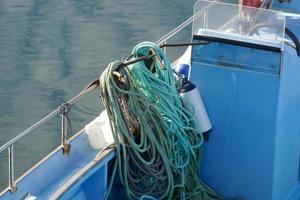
(42, 161)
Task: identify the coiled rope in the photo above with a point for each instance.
(157, 143)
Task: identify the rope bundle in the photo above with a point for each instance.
(157, 143)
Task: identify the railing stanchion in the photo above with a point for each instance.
(11, 171)
(164, 48)
(64, 109)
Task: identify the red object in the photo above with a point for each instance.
(252, 3)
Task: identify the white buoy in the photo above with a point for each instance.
(192, 101)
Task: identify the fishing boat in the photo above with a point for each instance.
(244, 60)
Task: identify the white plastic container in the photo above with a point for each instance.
(99, 131)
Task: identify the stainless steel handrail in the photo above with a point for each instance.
(30, 129)
(183, 24)
(175, 31)
(47, 117)
(64, 138)
(62, 111)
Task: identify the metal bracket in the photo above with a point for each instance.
(120, 77)
(158, 58)
(64, 110)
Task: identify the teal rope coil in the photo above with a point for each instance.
(157, 143)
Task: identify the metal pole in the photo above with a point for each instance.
(11, 175)
(64, 109)
(164, 48)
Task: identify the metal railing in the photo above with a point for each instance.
(62, 111)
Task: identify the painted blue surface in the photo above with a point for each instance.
(292, 23)
(92, 185)
(287, 140)
(293, 6)
(254, 147)
(182, 69)
(227, 55)
(58, 168)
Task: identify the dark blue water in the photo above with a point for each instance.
(49, 50)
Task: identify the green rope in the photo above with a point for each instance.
(157, 143)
